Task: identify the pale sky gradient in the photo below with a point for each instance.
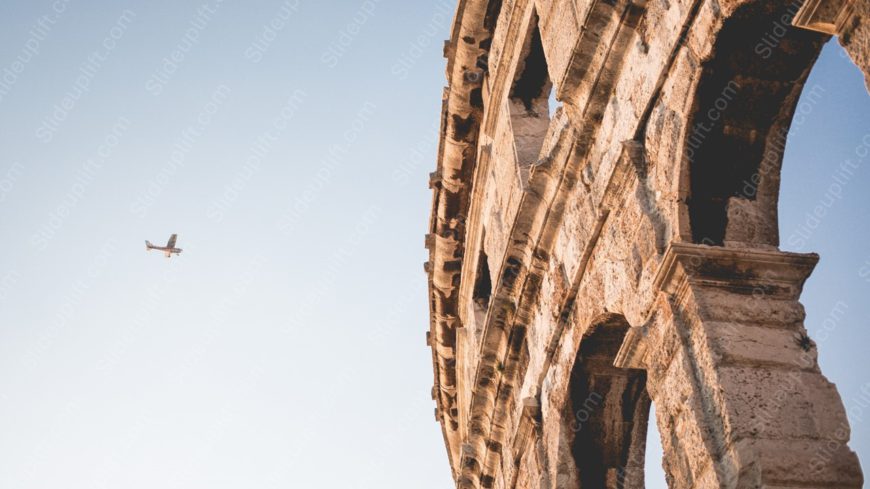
(286, 346)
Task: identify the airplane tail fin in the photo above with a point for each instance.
(148, 245)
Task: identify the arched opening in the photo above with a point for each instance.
(529, 100)
(654, 472)
(736, 147)
(609, 411)
(482, 281)
(736, 136)
(824, 206)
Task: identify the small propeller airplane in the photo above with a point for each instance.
(169, 249)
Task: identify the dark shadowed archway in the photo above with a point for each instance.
(743, 108)
(609, 409)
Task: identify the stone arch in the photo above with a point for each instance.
(589, 229)
(529, 99)
(606, 412)
(744, 99)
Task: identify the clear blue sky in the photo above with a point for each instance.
(285, 347)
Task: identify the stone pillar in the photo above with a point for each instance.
(740, 400)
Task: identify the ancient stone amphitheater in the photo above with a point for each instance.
(604, 236)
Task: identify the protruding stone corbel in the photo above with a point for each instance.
(530, 420)
(532, 409)
(632, 353)
(435, 180)
(449, 49)
(828, 16)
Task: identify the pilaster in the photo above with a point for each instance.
(740, 398)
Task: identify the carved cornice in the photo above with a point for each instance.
(748, 271)
(732, 268)
(451, 185)
(828, 16)
(633, 350)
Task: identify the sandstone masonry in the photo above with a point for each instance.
(604, 236)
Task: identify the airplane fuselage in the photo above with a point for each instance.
(168, 251)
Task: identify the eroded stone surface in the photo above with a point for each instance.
(622, 247)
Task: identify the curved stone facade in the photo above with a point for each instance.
(604, 235)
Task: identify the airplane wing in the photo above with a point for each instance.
(172, 239)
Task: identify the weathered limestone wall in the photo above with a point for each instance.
(856, 38)
(849, 20)
(604, 235)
